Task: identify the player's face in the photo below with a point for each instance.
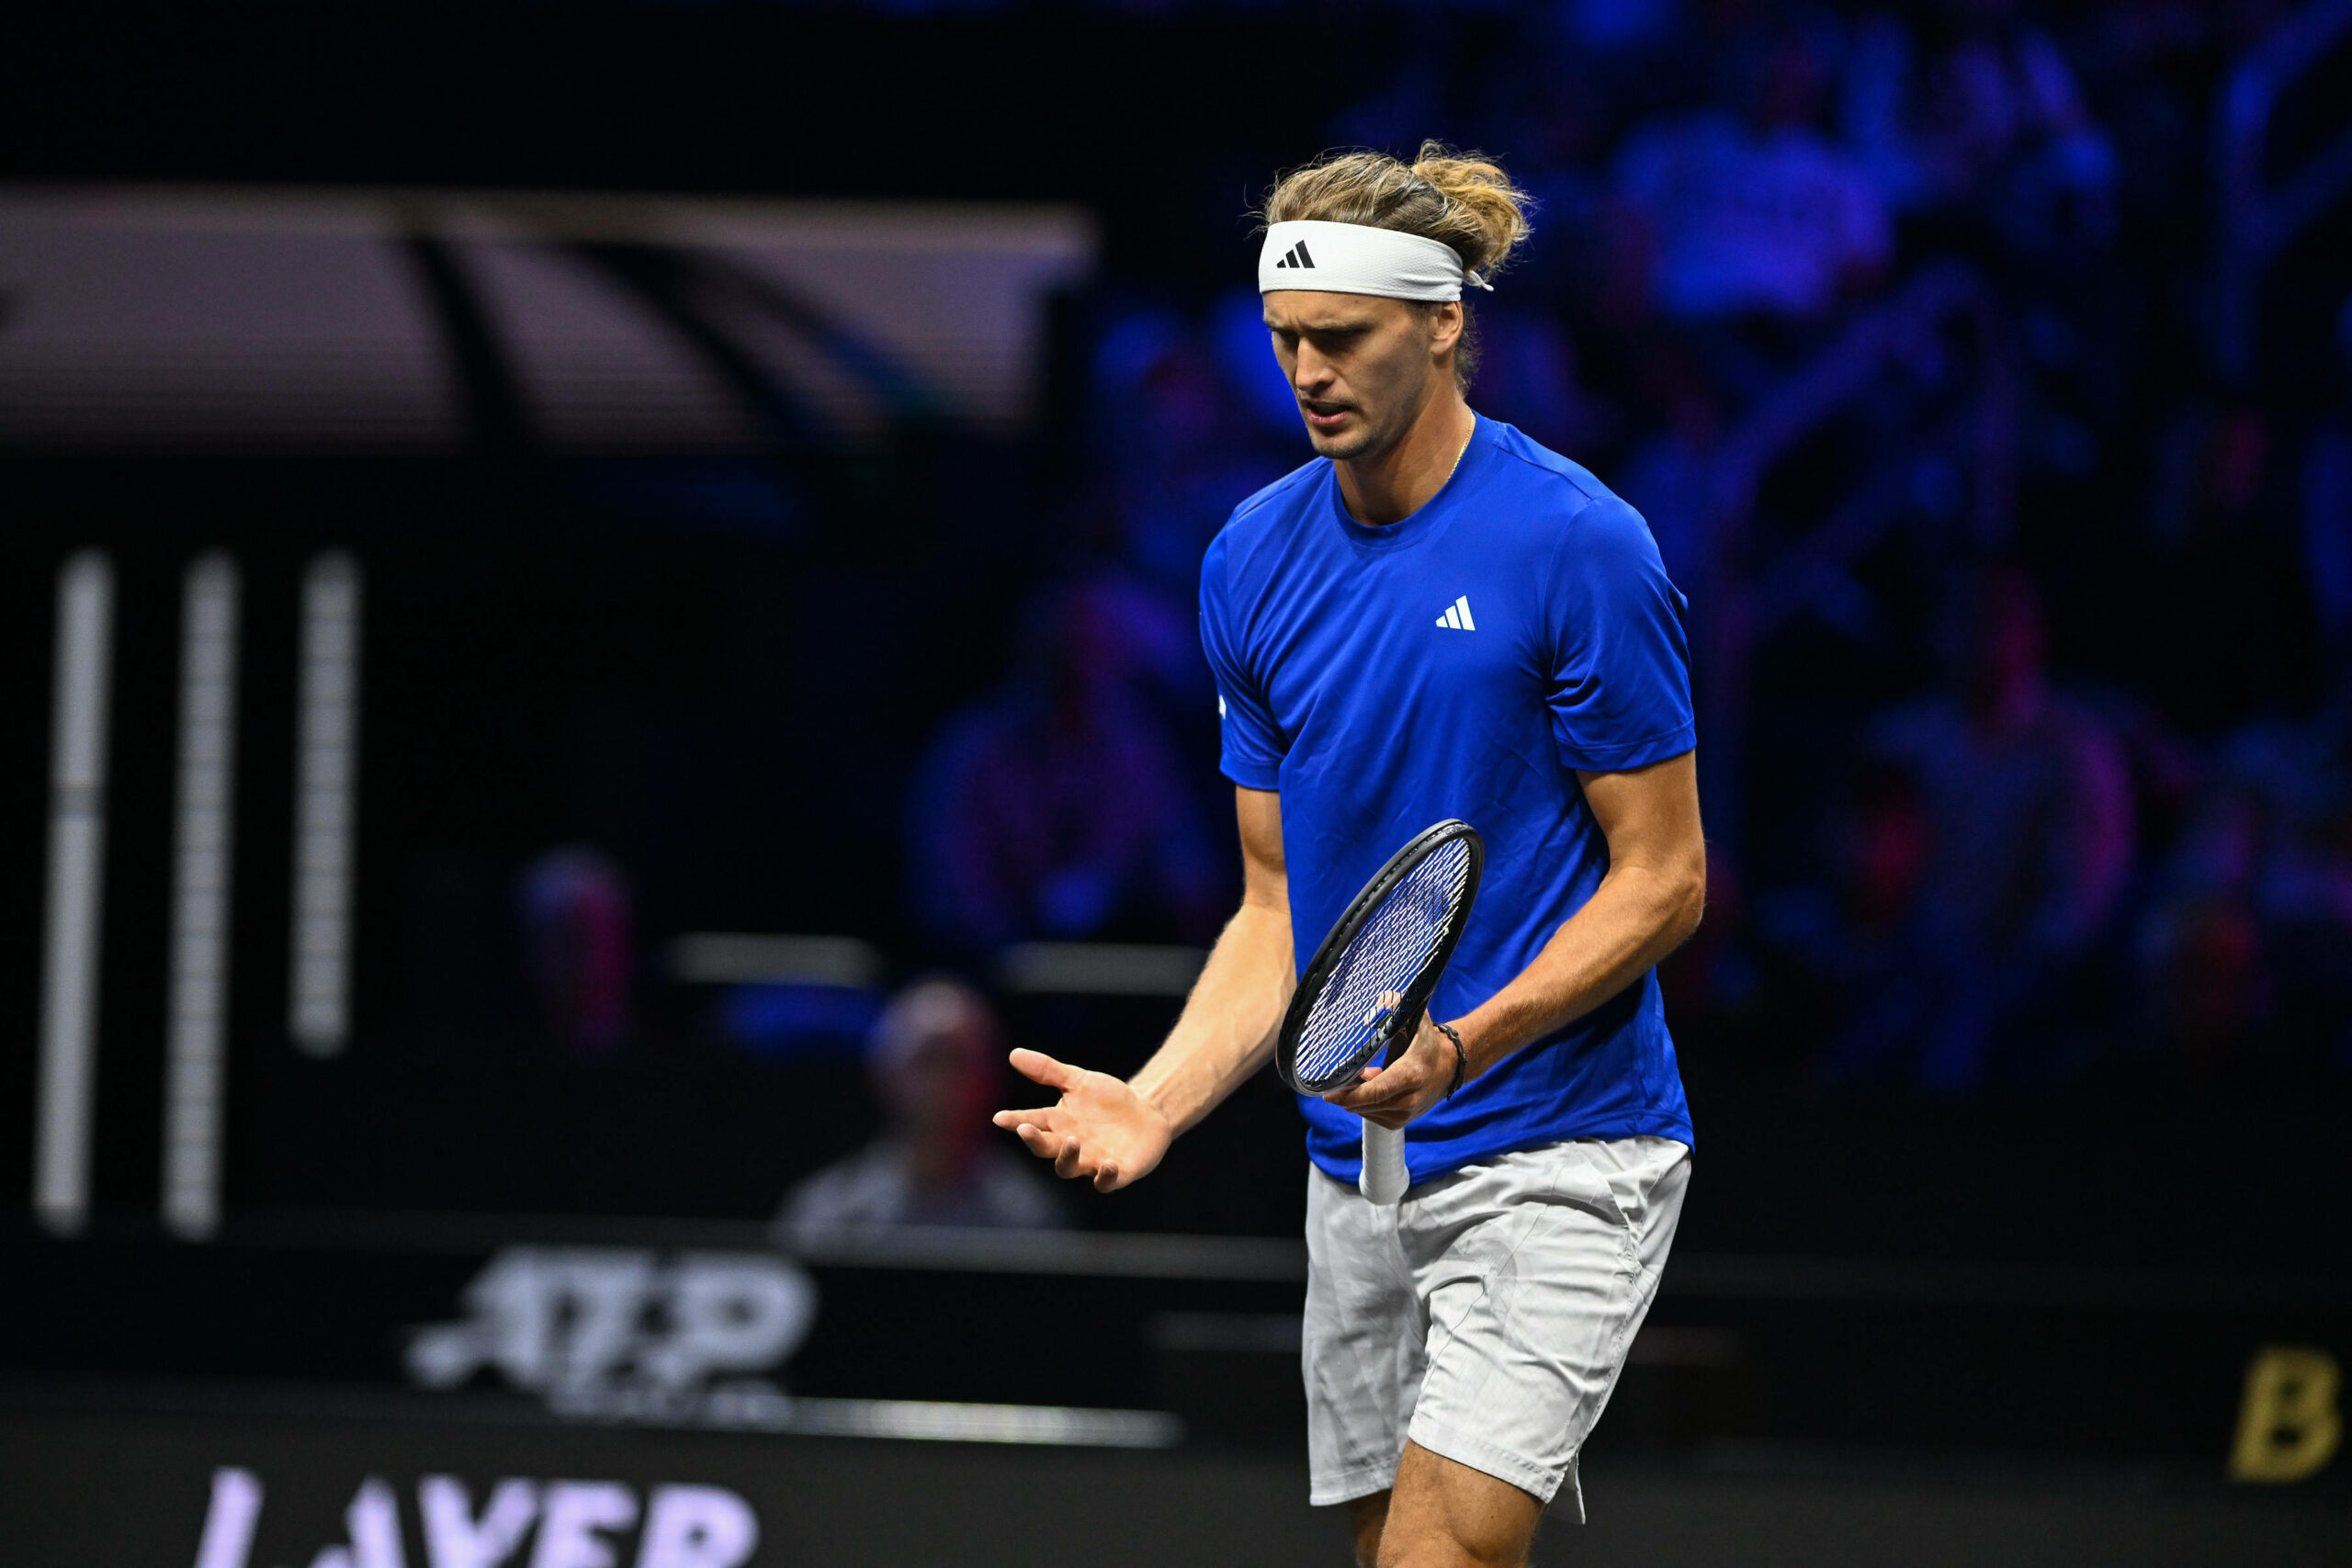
(1363, 369)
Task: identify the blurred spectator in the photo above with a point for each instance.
(1190, 417)
(1778, 221)
(1058, 807)
(1874, 111)
(1160, 406)
(1995, 847)
(580, 945)
(1526, 376)
(2200, 953)
(1996, 117)
(935, 1061)
(2250, 930)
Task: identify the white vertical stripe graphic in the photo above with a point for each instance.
(229, 1519)
(1463, 604)
(77, 828)
(1453, 616)
(199, 959)
(318, 1002)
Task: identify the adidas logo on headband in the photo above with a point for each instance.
(1297, 256)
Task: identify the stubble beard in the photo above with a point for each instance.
(1370, 441)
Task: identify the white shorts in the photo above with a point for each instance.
(1487, 1316)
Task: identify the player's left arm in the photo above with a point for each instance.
(1646, 905)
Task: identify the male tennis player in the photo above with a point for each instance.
(1439, 618)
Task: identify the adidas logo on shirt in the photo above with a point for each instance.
(1297, 256)
(1457, 615)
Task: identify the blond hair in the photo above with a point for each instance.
(1459, 198)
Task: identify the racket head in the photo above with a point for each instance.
(1394, 939)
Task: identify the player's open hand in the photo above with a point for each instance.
(1397, 1093)
(1101, 1130)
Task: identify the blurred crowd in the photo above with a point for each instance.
(2022, 613)
(2043, 717)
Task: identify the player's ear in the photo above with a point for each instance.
(1446, 327)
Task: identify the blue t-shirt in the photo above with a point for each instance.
(1465, 662)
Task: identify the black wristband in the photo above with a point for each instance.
(1461, 1059)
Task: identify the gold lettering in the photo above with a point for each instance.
(2289, 1427)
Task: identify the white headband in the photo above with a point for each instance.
(1354, 258)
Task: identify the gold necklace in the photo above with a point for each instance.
(1443, 482)
(1459, 456)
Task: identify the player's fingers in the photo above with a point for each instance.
(1071, 1160)
(1106, 1178)
(1008, 1120)
(1043, 1069)
(1395, 1083)
(1042, 1142)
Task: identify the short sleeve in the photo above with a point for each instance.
(1253, 748)
(1620, 687)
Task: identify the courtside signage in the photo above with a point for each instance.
(622, 1334)
(563, 1524)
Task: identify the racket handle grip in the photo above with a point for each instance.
(1385, 1177)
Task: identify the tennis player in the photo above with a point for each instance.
(1438, 618)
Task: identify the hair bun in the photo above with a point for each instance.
(1476, 190)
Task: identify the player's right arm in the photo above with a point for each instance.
(1112, 1132)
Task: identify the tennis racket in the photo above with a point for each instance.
(1362, 994)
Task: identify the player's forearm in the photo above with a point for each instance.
(1637, 915)
(1228, 1025)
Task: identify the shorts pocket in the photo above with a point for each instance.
(1583, 1178)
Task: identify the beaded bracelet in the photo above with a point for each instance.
(1461, 1059)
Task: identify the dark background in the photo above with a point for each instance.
(728, 673)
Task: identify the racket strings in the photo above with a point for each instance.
(1382, 960)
